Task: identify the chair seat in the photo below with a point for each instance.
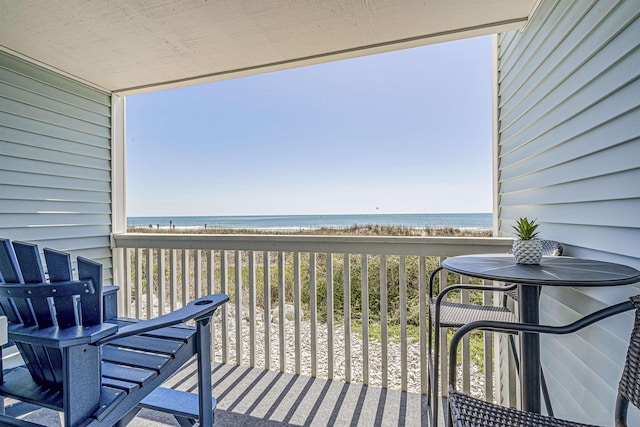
(454, 315)
(470, 412)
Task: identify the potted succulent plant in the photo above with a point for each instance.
(527, 249)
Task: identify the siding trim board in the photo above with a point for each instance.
(599, 163)
(552, 60)
(36, 153)
(51, 104)
(55, 161)
(568, 141)
(38, 193)
(51, 182)
(67, 121)
(595, 188)
(592, 212)
(46, 91)
(47, 129)
(27, 138)
(519, 42)
(546, 117)
(548, 32)
(19, 66)
(568, 146)
(53, 168)
(620, 59)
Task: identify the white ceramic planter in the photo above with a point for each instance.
(527, 251)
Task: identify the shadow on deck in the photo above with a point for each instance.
(254, 397)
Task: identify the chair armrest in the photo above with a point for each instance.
(54, 336)
(197, 309)
(59, 338)
(528, 327)
(446, 290)
(470, 287)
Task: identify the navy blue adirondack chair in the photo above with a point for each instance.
(96, 372)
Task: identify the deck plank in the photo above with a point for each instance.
(257, 397)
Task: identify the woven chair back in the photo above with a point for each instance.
(628, 387)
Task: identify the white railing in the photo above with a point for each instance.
(296, 305)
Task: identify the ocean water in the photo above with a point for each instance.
(310, 222)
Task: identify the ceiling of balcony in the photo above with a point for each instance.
(131, 46)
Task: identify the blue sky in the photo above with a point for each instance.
(401, 132)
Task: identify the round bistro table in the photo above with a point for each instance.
(552, 271)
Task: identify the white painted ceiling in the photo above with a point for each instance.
(131, 46)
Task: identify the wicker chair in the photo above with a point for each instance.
(466, 411)
(446, 314)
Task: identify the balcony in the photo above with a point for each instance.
(318, 345)
(564, 151)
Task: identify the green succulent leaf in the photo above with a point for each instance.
(526, 229)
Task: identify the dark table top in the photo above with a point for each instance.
(555, 271)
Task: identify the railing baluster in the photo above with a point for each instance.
(149, 302)
(138, 263)
(127, 283)
(487, 299)
(403, 323)
(424, 364)
(238, 304)
(162, 288)
(173, 272)
(197, 285)
(383, 321)
(224, 284)
(281, 310)
(347, 317)
(444, 366)
(266, 263)
(185, 277)
(329, 316)
(297, 309)
(252, 309)
(364, 277)
(313, 308)
(211, 273)
(466, 343)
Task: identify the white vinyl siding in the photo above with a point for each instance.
(569, 155)
(55, 161)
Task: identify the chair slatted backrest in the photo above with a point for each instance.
(59, 266)
(91, 305)
(11, 273)
(19, 311)
(60, 270)
(8, 263)
(56, 303)
(30, 265)
(29, 262)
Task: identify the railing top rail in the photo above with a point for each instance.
(372, 245)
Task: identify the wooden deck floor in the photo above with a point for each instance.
(254, 397)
